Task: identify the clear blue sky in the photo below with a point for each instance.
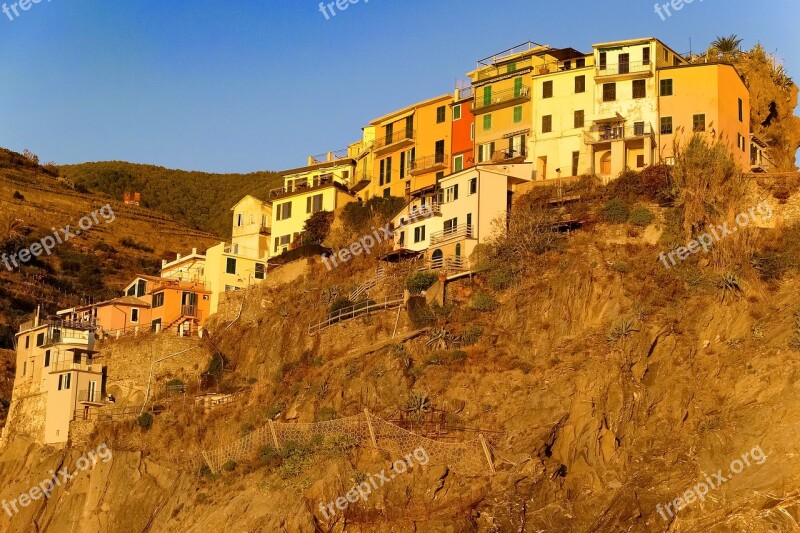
(242, 86)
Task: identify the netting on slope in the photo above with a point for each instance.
(470, 458)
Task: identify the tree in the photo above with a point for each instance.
(318, 226)
(30, 156)
(726, 46)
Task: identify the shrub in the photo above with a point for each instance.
(483, 301)
(471, 336)
(421, 281)
(641, 216)
(145, 420)
(339, 304)
(273, 411)
(419, 313)
(318, 226)
(622, 267)
(616, 211)
(128, 242)
(458, 356)
(269, 456)
(18, 196)
(501, 278)
(771, 265)
(325, 414)
(245, 429)
(229, 466)
(656, 184)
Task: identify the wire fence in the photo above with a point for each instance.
(471, 458)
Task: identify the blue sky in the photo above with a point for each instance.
(243, 86)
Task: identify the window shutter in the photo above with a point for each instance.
(308, 204)
(455, 191)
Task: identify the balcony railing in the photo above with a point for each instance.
(500, 98)
(403, 135)
(428, 163)
(329, 156)
(600, 134)
(295, 186)
(453, 263)
(634, 67)
(63, 366)
(189, 310)
(90, 396)
(462, 231)
(501, 156)
(463, 93)
(500, 56)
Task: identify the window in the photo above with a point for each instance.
(388, 176)
(699, 122)
(473, 186)
(60, 381)
(131, 291)
(603, 60)
(314, 204)
(451, 194)
(47, 358)
(281, 241)
(158, 300)
(580, 84)
(669, 161)
(40, 338)
(284, 211)
(441, 114)
(639, 88)
(638, 129)
(666, 125)
(450, 226)
(230, 265)
(639, 161)
(511, 67)
(609, 92)
(456, 112)
(740, 141)
(666, 55)
(27, 341)
(387, 192)
(666, 88)
(580, 63)
(646, 55)
(439, 176)
(487, 95)
(485, 152)
(134, 315)
(578, 120)
(458, 163)
(25, 368)
(402, 165)
(547, 89)
(419, 234)
(741, 110)
(382, 172)
(239, 220)
(624, 63)
(260, 272)
(67, 379)
(518, 114)
(567, 65)
(575, 159)
(487, 122)
(675, 61)
(547, 123)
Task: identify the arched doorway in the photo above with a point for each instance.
(605, 164)
(437, 259)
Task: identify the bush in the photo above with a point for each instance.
(641, 216)
(128, 242)
(419, 313)
(483, 301)
(340, 304)
(656, 184)
(359, 216)
(145, 420)
(229, 466)
(18, 196)
(318, 226)
(325, 414)
(269, 456)
(471, 336)
(616, 211)
(501, 277)
(273, 411)
(421, 281)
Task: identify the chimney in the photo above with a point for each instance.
(310, 160)
(194, 251)
(330, 157)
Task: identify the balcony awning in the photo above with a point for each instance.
(608, 117)
(400, 254)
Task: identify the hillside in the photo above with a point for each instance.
(200, 199)
(605, 385)
(93, 265)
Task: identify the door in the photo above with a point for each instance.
(605, 164)
(437, 259)
(92, 393)
(439, 152)
(624, 63)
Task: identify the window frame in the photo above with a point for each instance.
(607, 96)
(666, 120)
(666, 87)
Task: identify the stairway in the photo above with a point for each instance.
(380, 273)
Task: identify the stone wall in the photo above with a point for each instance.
(79, 432)
(26, 417)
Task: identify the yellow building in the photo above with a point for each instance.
(708, 98)
(502, 99)
(57, 378)
(412, 147)
(320, 186)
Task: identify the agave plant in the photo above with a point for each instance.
(730, 283)
(439, 338)
(781, 78)
(622, 330)
(418, 404)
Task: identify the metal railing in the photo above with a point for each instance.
(632, 67)
(355, 311)
(403, 134)
(63, 366)
(189, 310)
(299, 185)
(619, 132)
(90, 396)
(464, 93)
(505, 96)
(500, 156)
(453, 263)
(500, 56)
(328, 157)
(429, 162)
(449, 234)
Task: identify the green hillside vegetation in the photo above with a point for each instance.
(200, 199)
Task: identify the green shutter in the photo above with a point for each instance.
(487, 95)
(517, 87)
(487, 122)
(518, 114)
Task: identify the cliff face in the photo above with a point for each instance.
(617, 389)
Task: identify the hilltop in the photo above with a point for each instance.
(201, 200)
(95, 265)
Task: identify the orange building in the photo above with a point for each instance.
(116, 317)
(462, 138)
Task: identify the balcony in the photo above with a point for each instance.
(608, 133)
(189, 310)
(452, 263)
(499, 99)
(92, 397)
(394, 141)
(463, 93)
(462, 231)
(265, 230)
(509, 155)
(328, 157)
(301, 186)
(431, 163)
(66, 366)
(623, 70)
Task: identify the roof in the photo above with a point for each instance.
(631, 42)
(706, 64)
(245, 197)
(347, 161)
(131, 301)
(410, 108)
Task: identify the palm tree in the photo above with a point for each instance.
(727, 45)
(780, 78)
